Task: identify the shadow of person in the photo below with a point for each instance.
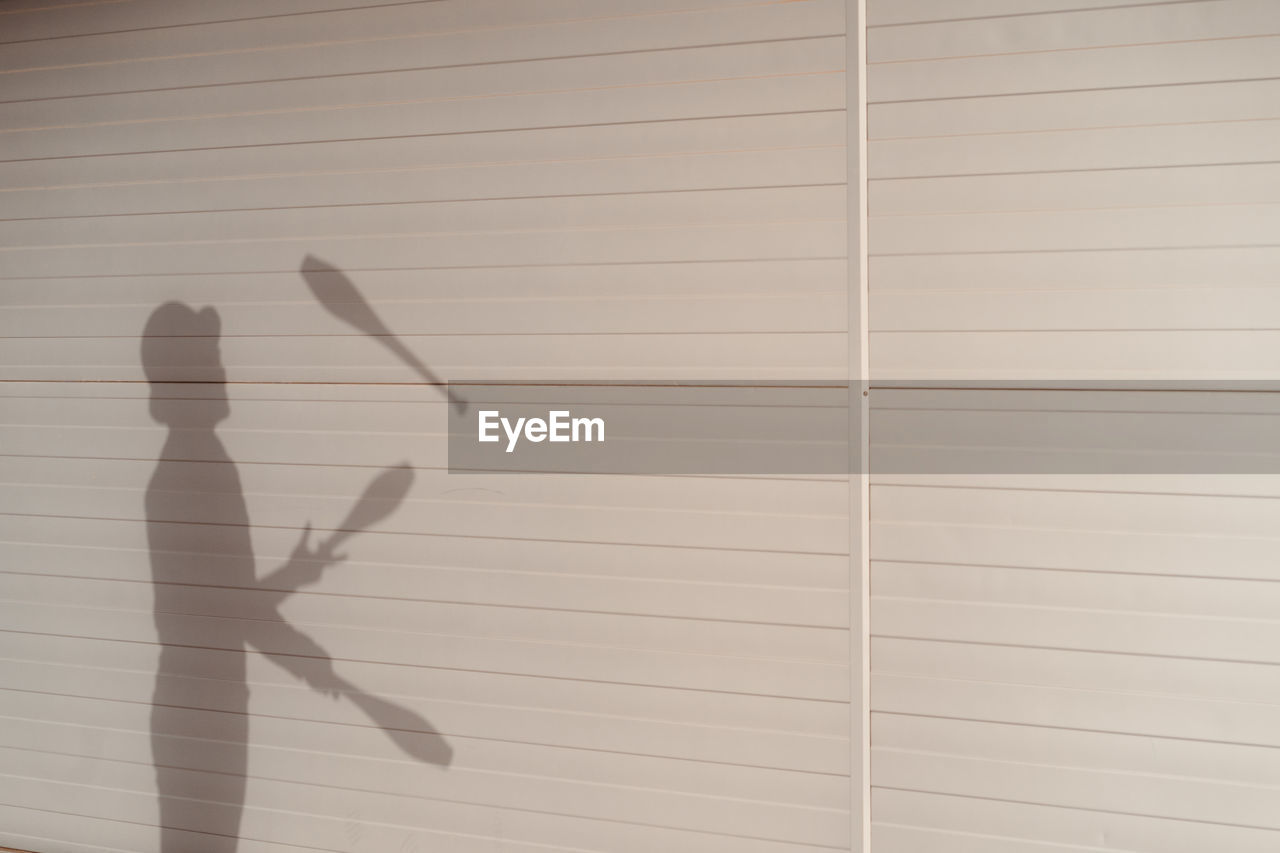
(199, 543)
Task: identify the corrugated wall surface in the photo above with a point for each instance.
(1076, 191)
(560, 189)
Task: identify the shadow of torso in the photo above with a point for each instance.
(200, 688)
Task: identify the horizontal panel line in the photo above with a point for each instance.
(31, 10)
(1098, 651)
(509, 639)
(1116, 732)
(147, 824)
(331, 141)
(1078, 129)
(223, 21)
(488, 504)
(462, 165)
(216, 835)
(673, 758)
(1100, 249)
(514, 708)
(1015, 605)
(1087, 90)
(598, 296)
(393, 235)
(968, 330)
(1071, 10)
(46, 843)
(459, 200)
(949, 385)
(1075, 489)
(592, 265)
(693, 795)
(1122, 288)
(448, 602)
(399, 70)
(988, 837)
(293, 111)
(1078, 808)
(909, 214)
(482, 738)
(1039, 410)
(1023, 765)
(1077, 571)
(437, 468)
(1074, 49)
(153, 826)
(453, 834)
(1084, 170)
(412, 335)
(541, 677)
(455, 536)
(677, 385)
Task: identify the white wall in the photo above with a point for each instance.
(554, 190)
(1074, 191)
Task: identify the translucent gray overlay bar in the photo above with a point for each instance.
(814, 428)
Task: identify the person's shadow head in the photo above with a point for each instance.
(181, 345)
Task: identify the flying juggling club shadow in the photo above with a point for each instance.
(342, 299)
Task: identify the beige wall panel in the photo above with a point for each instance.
(463, 518)
(1078, 191)
(883, 13)
(1251, 183)
(406, 88)
(1217, 308)
(1131, 712)
(368, 748)
(1155, 795)
(1062, 627)
(1077, 29)
(1085, 509)
(1158, 677)
(795, 496)
(791, 569)
(365, 156)
(1192, 762)
(1157, 269)
(1184, 552)
(631, 631)
(406, 36)
(753, 356)
(650, 190)
(726, 600)
(473, 218)
(589, 177)
(1047, 71)
(1080, 355)
(320, 19)
(959, 820)
(370, 822)
(593, 799)
(819, 88)
(1211, 599)
(1048, 231)
(660, 723)
(1084, 149)
(734, 309)
(692, 242)
(1238, 100)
